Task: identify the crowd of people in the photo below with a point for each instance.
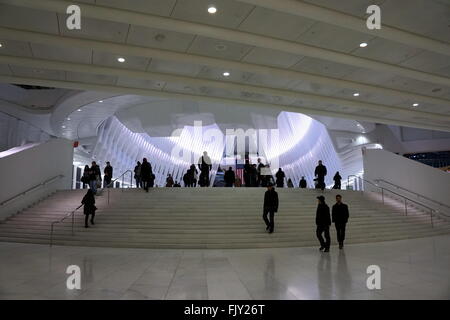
(255, 175)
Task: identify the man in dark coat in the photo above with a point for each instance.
(259, 176)
(229, 177)
(247, 173)
(253, 176)
(302, 183)
(146, 173)
(89, 207)
(320, 173)
(270, 207)
(280, 178)
(108, 171)
(339, 214)
(323, 222)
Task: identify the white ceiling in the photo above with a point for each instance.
(287, 74)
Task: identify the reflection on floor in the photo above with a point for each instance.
(410, 269)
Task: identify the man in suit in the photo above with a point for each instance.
(323, 222)
(339, 215)
(270, 207)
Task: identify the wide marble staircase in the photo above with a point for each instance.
(211, 218)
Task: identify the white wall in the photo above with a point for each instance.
(406, 173)
(23, 170)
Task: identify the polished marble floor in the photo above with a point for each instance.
(410, 269)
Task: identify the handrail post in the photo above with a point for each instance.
(108, 195)
(406, 208)
(382, 195)
(51, 235)
(431, 216)
(73, 218)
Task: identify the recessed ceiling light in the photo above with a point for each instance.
(120, 59)
(363, 44)
(212, 10)
(101, 101)
(415, 104)
(79, 110)
(226, 74)
(220, 47)
(63, 127)
(68, 119)
(1, 45)
(356, 94)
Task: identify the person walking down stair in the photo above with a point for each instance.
(270, 207)
(339, 215)
(89, 207)
(323, 222)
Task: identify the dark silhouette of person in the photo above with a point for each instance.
(289, 183)
(280, 178)
(270, 207)
(323, 222)
(259, 167)
(108, 171)
(89, 207)
(193, 175)
(86, 176)
(186, 179)
(151, 182)
(176, 184)
(253, 176)
(339, 215)
(302, 183)
(146, 172)
(95, 177)
(169, 181)
(320, 173)
(247, 173)
(337, 181)
(137, 174)
(229, 177)
(205, 165)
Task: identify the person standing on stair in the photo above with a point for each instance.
(320, 173)
(270, 207)
(146, 173)
(302, 183)
(95, 179)
(108, 171)
(339, 215)
(137, 174)
(280, 175)
(337, 181)
(89, 207)
(229, 177)
(205, 166)
(323, 222)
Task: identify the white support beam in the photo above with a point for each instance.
(225, 85)
(129, 50)
(310, 11)
(152, 21)
(181, 96)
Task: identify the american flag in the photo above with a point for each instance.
(240, 172)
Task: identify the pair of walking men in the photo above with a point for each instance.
(339, 216)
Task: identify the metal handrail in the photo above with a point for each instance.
(401, 196)
(414, 193)
(32, 188)
(61, 220)
(121, 176)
